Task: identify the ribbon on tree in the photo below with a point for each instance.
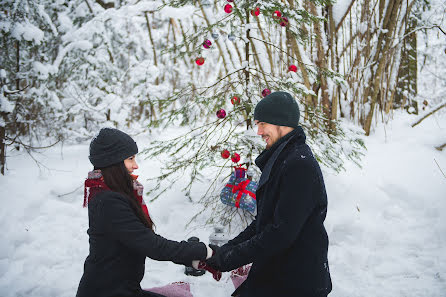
(241, 189)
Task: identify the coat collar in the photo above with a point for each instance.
(265, 161)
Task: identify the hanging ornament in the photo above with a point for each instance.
(228, 8)
(206, 3)
(225, 154)
(221, 114)
(255, 11)
(277, 14)
(231, 37)
(251, 172)
(199, 61)
(235, 100)
(207, 43)
(266, 92)
(230, 0)
(292, 68)
(240, 172)
(235, 158)
(215, 35)
(284, 22)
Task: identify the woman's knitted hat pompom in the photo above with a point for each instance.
(111, 146)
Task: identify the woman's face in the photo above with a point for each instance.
(130, 164)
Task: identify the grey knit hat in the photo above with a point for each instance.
(111, 146)
(278, 108)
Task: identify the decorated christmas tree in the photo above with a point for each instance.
(239, 52)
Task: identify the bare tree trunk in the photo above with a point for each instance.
(268, 50)
(333, 47)
(303, 70)
(155, 62)
(384, 43)
(248, 40)
(322, 64)
(2, 150)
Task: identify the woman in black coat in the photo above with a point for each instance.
(120, 228)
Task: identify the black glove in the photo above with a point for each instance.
(215, 248)
(214, 262)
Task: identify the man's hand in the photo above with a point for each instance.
(215, 248)
(215, 260)
(216, 274)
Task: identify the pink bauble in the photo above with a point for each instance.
(207, 43)
(221, 114)
(284, 22)
(266, 92)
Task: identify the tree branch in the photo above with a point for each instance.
(441, 147)
(105, 5)
(430, 113)
(344, 16)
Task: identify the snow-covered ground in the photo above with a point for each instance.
(386, 222)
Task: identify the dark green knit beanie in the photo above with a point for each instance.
(278, 108)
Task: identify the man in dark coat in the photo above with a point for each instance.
(287, 242)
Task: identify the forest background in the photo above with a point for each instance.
(68, 68)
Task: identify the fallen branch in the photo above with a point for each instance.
(439, 168)
(430, 113)
(61, 195)
(441, 147)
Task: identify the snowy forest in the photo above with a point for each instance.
(183, 77)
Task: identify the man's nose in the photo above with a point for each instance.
(259, 131)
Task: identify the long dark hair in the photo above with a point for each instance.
(118, 179)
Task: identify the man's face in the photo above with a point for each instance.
(269, 132)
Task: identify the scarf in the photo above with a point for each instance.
(95, 184)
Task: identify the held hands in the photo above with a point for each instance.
(212, 253)
(214, 261)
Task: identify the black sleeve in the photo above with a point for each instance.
(246, 234)
(122, 224)
(293, 208)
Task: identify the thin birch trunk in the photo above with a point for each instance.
(322, 64)
(384, 43)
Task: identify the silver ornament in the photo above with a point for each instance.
(251, 171)
(206, 3)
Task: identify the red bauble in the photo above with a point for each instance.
(225, 154)
(228, 8)
(199, 61)
(207, 43)
(235, 158)
(266, 92)
(284, 22)
(292, 68)
(230, 0)
(221, 114)
(277, 14)
(255, 11)
(235, 100)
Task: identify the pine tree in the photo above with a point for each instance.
(240, 51)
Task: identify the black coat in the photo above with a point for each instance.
(119, 244)
(287, 242)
